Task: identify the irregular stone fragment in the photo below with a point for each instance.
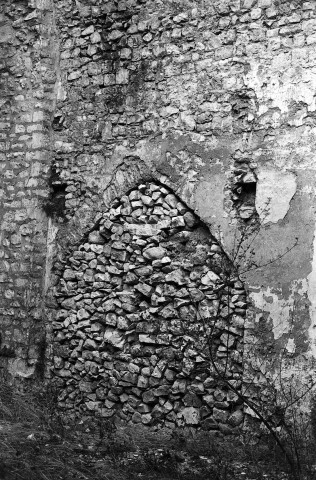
(220, 415)
(157, 373)
(177, 222)
(144, 289)
(119, 255)
(143, 408)
(148, 201)
(69, 275)
(209, 424)
(179, 386)
(176, 276)
(142, 382)
(129, 377)
(144, 271)
(236, 418)
(114, 270)
(188, 313)
(146, 418)
(162, 391)
(96, 237)
(122, 323)
(147, 230)
(171, 200)
(149, 397)
(190, 415)
(189, 219)
(68, 303)
(102, 277)
(82, 314)
(147, 339)
(154, 253)
(90, 344)
(137, 417)
(210, 278)
(109, 305)
(228, 340)
(114, 338)
(192, 400)
(85, 386)
(169, 312)
(110, 319)
(131, 278)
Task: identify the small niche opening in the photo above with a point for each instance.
(58, 122)
(248, 193)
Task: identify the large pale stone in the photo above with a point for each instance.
(191, 415)
(19, 368)
(114, 338)
(154, 253)
(210, 278)
(147, 230)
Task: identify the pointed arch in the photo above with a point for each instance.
(144, 312)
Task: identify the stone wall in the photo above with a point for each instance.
(28, 75)
(214, 100)
(145, 323)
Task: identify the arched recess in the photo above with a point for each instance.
(150, 322)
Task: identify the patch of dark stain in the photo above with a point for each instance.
(115, 98)
(40, 365)
(241, 104)
(7, 352)
(266, 344)
(55, 204)
(110, 49)
(137, 78)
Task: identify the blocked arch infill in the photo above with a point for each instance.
(138, 297)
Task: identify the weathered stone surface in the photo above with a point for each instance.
(96, 237)
(135, 321)
(176, 276)
(236, 418)
(210, 278)
(154, 253)
(76, 145)
(190, 415)
(114, 338)
(144, 289)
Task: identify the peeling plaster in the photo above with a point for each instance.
(275, 190)
(280, 85)
(278, 308)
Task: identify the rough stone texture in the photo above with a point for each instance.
(144, 322)
(28, 75)
(214, 99)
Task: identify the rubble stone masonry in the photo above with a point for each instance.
(28, 76)
(109, 109)
(144, 320)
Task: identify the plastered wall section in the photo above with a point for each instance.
(28, 73)
(202, 94)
